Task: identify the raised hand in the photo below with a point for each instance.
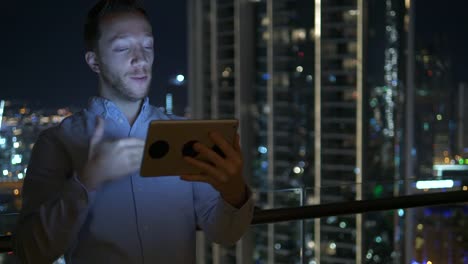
(110, 160)
(224, 174)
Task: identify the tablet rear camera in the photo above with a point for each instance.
(187, 149)
(159, 149)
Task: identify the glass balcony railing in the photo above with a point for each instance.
(375, 222)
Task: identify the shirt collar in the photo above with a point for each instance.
(108, 109)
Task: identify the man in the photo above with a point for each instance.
(83, 197)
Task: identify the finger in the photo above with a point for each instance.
(133, 152)
(207, 169)
(130, 142)
(226, 147)
(130, 162)
(135, 163)
(209, 154)
(127, 157)
(226, 165)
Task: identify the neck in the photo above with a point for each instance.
(130, 109)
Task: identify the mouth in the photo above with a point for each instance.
(141, 78)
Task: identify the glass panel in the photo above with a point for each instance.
(381, 236)
(429, 235)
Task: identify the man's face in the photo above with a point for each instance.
(125, 56)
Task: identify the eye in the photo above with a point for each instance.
(149, 46)
(121, 49)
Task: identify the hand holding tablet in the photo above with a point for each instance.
(169, 141)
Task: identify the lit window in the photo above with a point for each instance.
(352, 47)
(331, 249)
(262, 149)
(312, 34)
(17, 132)
(16, 159)
(297, 170)
(349, 64)
(299, 35)
(350, 16)
(227, 72)
(401, 212)
(353, 12)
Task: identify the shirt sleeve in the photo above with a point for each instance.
(55, 203)
(221, 222)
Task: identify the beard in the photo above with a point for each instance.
(123, 87)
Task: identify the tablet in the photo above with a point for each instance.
(168, 141)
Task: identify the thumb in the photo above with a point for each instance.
(98, 132)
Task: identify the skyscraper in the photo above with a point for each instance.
(295, 74)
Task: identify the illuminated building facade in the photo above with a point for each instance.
(439, 233)
(19, 129)
(295, 74)
(436, 126)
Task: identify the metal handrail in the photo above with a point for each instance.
(358, 207)
(333, 209)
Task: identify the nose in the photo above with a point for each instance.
(139, 56)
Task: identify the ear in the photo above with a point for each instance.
(92, 61)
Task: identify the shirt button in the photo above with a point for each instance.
(120, 120)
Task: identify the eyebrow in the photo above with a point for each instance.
(123, 36)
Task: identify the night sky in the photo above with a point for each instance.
(43, 57)
(443, 26)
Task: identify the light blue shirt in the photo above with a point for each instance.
(132, 220)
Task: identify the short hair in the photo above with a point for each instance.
(101, 9)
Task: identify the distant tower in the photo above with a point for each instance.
(175, 98)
